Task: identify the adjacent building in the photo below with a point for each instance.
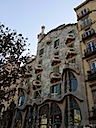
(86, 20)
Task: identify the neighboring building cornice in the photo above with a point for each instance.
(85, 2)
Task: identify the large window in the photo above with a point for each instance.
(70, 82)
(72, 113)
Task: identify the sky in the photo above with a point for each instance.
(27, 16)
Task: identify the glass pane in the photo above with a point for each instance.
(72, 109)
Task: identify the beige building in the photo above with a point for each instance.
(86, 17)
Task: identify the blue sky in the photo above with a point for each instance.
(27, 16)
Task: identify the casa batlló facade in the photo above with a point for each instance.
(54, 96)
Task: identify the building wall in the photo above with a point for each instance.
(69, 49)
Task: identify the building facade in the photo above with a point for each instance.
(86, 17)
(59, 88)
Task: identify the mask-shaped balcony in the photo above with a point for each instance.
(55, 60)
(87, 34)
(38, 68)
(36, 84)
(70, 37)
(83, 13)
(90, 51)
(55, 76)
(70, 53)
(92, 74)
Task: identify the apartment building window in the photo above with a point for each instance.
(41, 52)
(84, 11)
(56, 69)
(86, 21)
(39, 77)
(56, 43)
(91, 46)
(56, 89)
(93, 65)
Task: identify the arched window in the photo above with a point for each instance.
(56, 116)
(72, 113)
(70, 82)
(44, 112)
(18, 120)
(21, 98)
(30, 118)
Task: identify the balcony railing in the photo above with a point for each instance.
(70, 37)
(92, 74)
(85, 12)
(38, 68)
(88, 22)
(55, 60)
(55, 76)
(90, 51)
(36, 84)
(88, 33)
(71, 52)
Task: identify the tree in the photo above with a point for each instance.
(12, 49)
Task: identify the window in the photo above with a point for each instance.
(70, 82)
(72, 108)
(56, 53)
(56, 89)
(40, 62)
(71, 45)
(37, 94)
(21, 98)
(56, 69)
(93, 65)
(56, 43)
(39, 77)
(72, 61)
(91, 46)
(41, 52)
(84, 11)
(86, 21)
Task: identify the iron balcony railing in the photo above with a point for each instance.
(90, 51)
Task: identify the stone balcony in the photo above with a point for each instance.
(36, 84)
(38, 68)
(55, 76)
(70, 37)
(55, 60)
